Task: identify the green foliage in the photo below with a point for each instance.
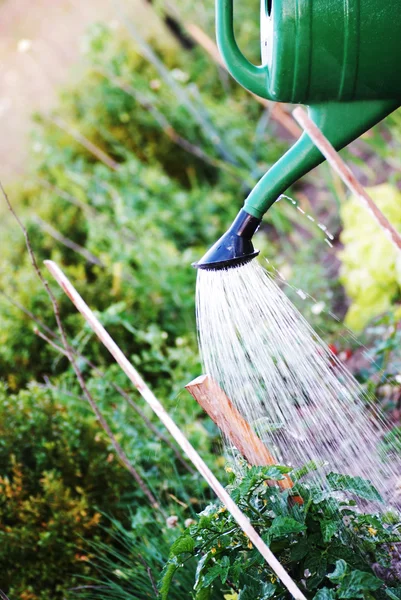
(183, 138)
(132, 565)
(370, 269)
(57, 474)
(326, 545)
(355, 485)
(143, 223)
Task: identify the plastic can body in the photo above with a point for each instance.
(331, 50)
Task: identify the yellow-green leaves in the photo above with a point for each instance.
(371, 265)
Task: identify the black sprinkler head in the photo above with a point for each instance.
(234, 248)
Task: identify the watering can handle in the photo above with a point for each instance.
(250, 76)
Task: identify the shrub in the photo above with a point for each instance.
(57, 474)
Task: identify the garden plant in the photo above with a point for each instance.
(138, 170)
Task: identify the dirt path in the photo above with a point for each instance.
(39, 49)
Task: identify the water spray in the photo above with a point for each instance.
(341, 59)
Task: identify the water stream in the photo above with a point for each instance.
(285, 381)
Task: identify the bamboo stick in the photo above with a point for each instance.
(277, 111)
(221, 410)
(342, 169)
(177, 434)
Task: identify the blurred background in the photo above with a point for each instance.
(126, 150)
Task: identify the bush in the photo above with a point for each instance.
(57, 475)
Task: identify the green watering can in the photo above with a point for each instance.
(342, 58)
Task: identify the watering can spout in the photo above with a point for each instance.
(340, 122)
(335, 58)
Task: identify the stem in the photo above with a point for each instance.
(83, 141)
(59, 237)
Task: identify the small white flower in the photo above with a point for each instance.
(172, 522)
(154, 84)
(386, 390)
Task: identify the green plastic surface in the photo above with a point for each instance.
(342, 58)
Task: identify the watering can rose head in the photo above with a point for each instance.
(342, 58)
(234, 248)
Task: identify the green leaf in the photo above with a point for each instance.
(329, 528)
(211, 575)
(394, 594)
(339, 572)
(282, 526)
(325, 594)
(316, 563)
(220, 569)
(299, 550)
(183, 544)
(310, 466)
(204, 594)
(166, 578)
(355, 485)
(257, 590)
(268, 591)
(225, 564)
(276, 472)
(357, 583)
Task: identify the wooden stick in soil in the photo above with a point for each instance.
(221, 410)
(177, 434)
(341, 168)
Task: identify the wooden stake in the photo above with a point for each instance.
(340, 167)
(221, 410)
(177, 434)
